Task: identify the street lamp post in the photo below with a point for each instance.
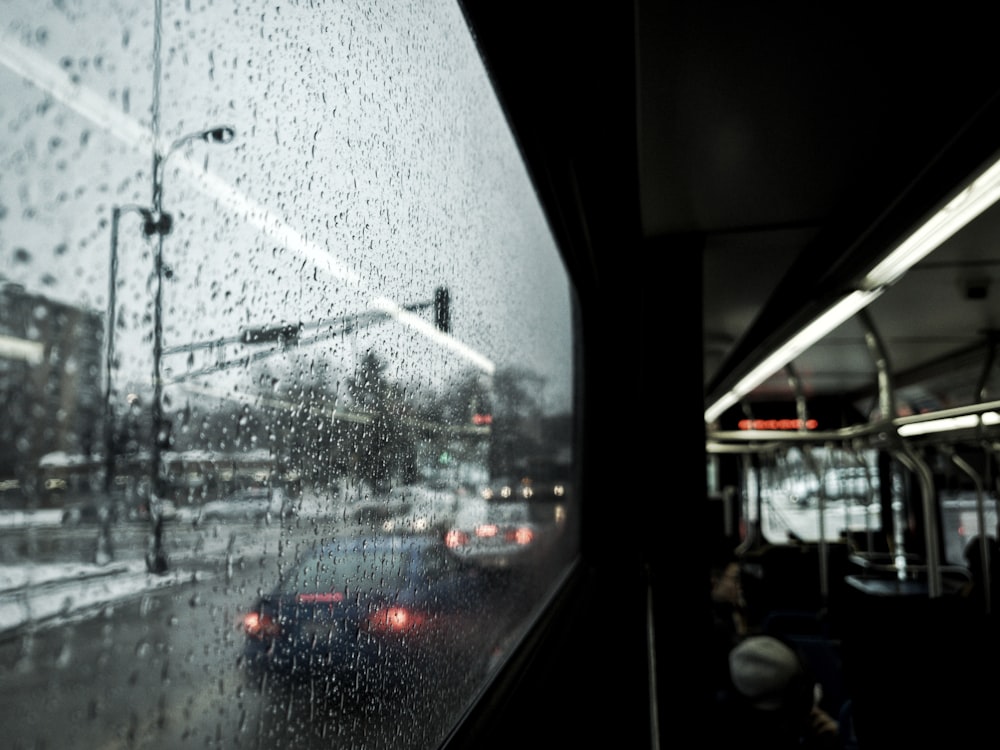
(160, 223)
(109, 343)
(155, 222)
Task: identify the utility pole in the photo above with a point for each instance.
(159, 223)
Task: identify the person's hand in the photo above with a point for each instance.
(822, 723)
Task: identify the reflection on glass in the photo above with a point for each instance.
(247, 387)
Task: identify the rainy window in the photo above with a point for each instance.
(277, 303)
(813, 493)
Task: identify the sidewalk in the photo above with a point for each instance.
(46, 594)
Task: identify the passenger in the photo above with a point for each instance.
(729, 620)
(975, 589)
(728, 604)
(774, 700)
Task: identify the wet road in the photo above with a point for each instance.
(162, 669)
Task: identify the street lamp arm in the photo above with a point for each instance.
(218, 135)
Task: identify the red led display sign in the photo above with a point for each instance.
(776, 424)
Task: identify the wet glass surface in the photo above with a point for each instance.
(272, 278)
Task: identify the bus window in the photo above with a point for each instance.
(277, 298)
(813, 493)
(960, 522)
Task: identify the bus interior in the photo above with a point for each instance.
(827, 173)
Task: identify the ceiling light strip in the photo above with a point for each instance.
(979, 195)
(948, 425)
(817, 329)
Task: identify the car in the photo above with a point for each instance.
(370, 617)
(417, 508)
(248, 504)
(420, 508)
(495, 533)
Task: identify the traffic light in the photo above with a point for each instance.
(156, 224)
(442, 309)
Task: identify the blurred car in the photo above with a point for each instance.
(420, 508)
(494, 533)
(396, 609)
(416, 508)
(249, 504)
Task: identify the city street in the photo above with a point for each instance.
(80, 641)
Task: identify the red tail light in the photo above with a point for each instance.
(520, 535)
(395, 620)
(260, 625)
(455, 538)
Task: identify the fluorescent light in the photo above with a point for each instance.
(965, 422)
(801, 341)
(967, 205)
(979, 195)
(712, 412)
